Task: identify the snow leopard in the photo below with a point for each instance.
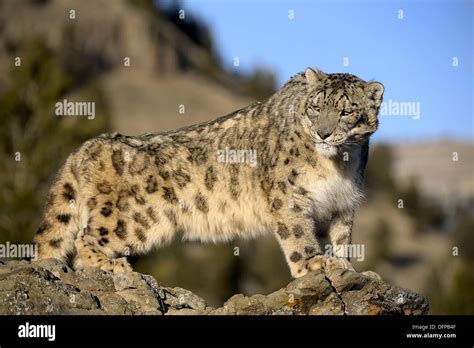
(292, 166)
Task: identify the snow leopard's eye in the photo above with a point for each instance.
(345, 113)
(313, 110)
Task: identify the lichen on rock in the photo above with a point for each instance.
(51, 287)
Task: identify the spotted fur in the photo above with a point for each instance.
(123, 195)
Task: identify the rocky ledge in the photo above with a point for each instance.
(51, 287)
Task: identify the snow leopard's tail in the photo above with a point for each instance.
(61, 219)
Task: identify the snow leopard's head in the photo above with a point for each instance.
(340, 109)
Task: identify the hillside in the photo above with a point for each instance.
(437, 174)
(140, 103)
(166, 69)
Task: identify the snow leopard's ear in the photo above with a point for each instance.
(374, 92)
(314, 77)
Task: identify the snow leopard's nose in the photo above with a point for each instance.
(327, 123)
(324, 133)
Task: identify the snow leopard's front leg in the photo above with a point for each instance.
(302, 251)
(340, 235)
(294, 229)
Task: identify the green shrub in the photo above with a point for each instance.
(35, 142)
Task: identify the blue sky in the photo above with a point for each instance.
(412, 57)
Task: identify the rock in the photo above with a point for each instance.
(51, 287)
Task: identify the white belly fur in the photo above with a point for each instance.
(336, 194)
